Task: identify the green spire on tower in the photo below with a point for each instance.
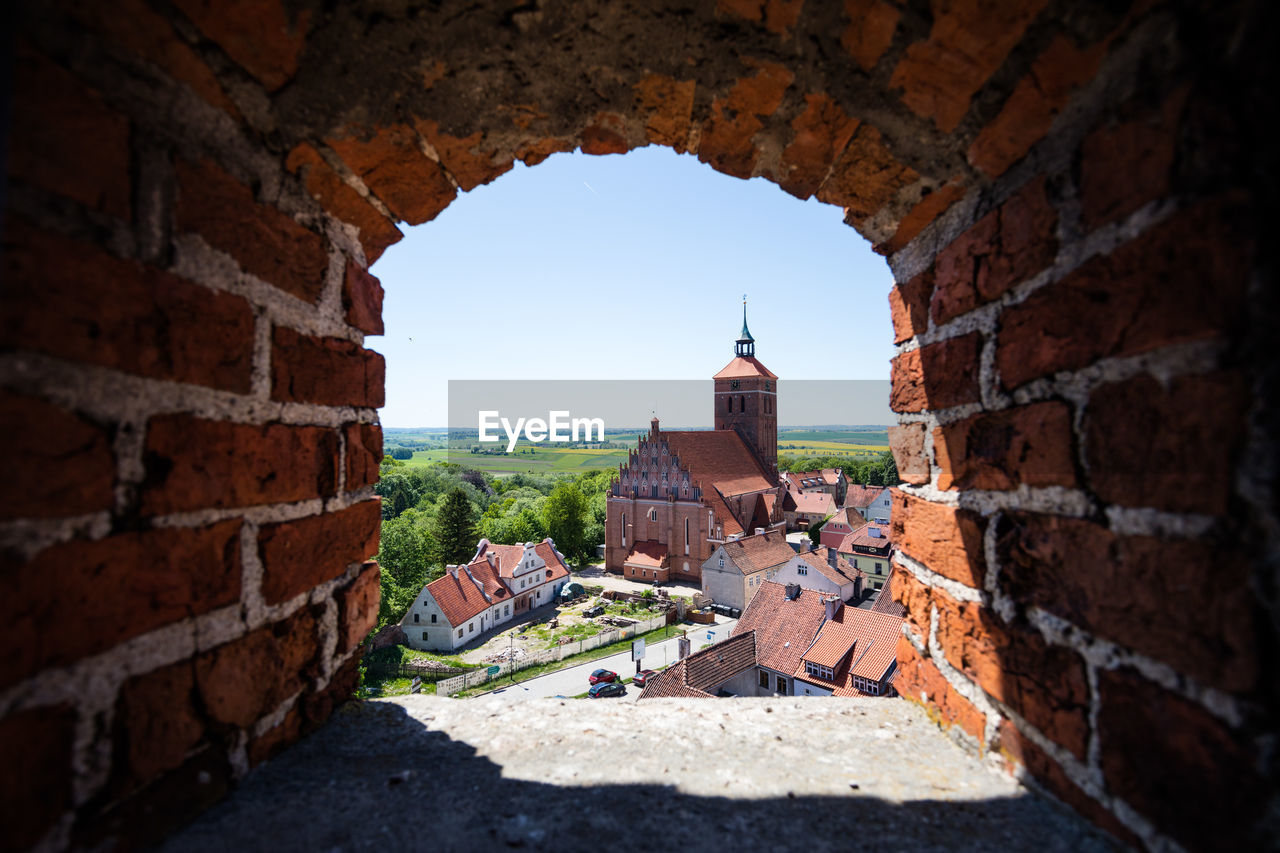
(746, 345)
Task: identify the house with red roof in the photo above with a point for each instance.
(838, 526)
(785, 621)
(724, 668)
(829, 480)
(682, 493)
(735, 570)
(497, 585)
(809, 508)
(871, 502)
(854, 654)
(823, 571)
(869, 549)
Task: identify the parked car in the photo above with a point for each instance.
(607, 688)
(600, 675)
(642, 677)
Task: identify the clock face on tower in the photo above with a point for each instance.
(733, 384)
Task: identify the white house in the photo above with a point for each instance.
(822, 570)
(737, 567)
(871, 502)
(499, 583)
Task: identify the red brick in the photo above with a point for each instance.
(937, 376)
(667, 105)
(246, 679)
(821, 131)
(907, 444)
(921, 216)
(1172, 447)
(1016, 748)
(318, 706)
(778, 16)
(393, 167)
(83, 598)
(358, 605)
(1151, 594)
(535, 151)
(1147, 294)
(65, 140)
(36, 786)
(967, 43)
(197, 464)
(158, 721)
(1033, 104)
(1026, 445)
(328, 371)
(376, 231)
(1126, 164)
(1004, 248)
(870, 32)
(364, 454)
(919, 680)
(1045, 685)
(599, 141)
(259, 35)
(909, 306)
(132, 317)
(866, 177)
(736, 118)
(915, 597)
(299, 555)
(271, 742)
(1180, 767)
(264, 241)
(468, 161)
(946, 539)
(56, 463)
(135, 27)
(362, 297)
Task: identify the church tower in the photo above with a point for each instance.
(746, 398)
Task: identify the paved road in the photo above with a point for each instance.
(572, 681)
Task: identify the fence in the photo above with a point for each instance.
(449, 686)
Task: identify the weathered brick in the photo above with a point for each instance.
(1172, 447)
(82, 598)
(946, 539)
(1016, 748)
(1125, 164)
(64, 139)
(600, 140)
(36, 787)
(535, 151)
(193, 463)
(159, 725)
(822, 131)
(914, 596)
(358, 606)
(1031, 107)
(920, 681)
(1148, 293)
(319, 705)
(264, 240)
(362, 297)
(364, 454)
(866, 177)
(870, 31)
(468, 160)
(271, 742)
(393, 167)
(1179, 767)
(907, 444)
(921, 216)
(967, 43)
(243, 680)
(1045, 685)
(937, 376)
(1026, 445)
(1150, 594)
(778, 16)
(1004, 248)
(298, 555)
(667, 105)
(340, 199)
(133, 318)
(735, 118)
(909, 306)
(328, 371)
(259, 35)
(56, 463)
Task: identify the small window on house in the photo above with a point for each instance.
(722, 562)
(802, 571)
(506, 611)
(653, 515)
(764, 679)
(433, 618)
(471, 627)
(415, 617)
(878, 568)
(782, 684)
(459, 632)
(424, 636)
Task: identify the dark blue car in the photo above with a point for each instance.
(607, 688)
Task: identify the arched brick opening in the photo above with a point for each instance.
(1068, 196)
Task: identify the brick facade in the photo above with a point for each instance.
(1076, 204)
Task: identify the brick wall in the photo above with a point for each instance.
(1084, 379)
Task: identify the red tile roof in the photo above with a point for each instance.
(862, 496)
(700, 673)
(670, 684)
(814, 503)
(784, 628)
(884, 602)
(861, 538)
(856, 644)
(832, 645)
(460, 599)
(819, 560)
(648, 553)
(744, 366)
(721, 458)
(814, 479)
(759, 551)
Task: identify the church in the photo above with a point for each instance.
(681, 493)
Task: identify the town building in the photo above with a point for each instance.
(682, 493)
(870, 550)
(824, 571)
(737, 567)
(725, 668)
(871, 502)
(497, 585)
(840, 525)
(785, 621)
(854, 654)
(809, 508)
(829, 480)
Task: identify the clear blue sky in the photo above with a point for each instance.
(629, 267)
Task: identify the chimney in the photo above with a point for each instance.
(793, 591)
(873, 532)
(453, 570)
(806, 545)
(832, 605)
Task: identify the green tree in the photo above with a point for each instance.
(455, 529)
(565, 513)
(815, 531)
(408, 560)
